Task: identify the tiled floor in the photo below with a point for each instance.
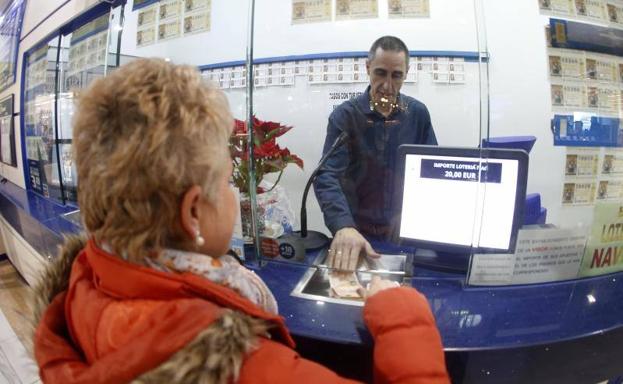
(16, 364)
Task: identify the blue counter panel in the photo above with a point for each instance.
(38, 220)
(468, 318)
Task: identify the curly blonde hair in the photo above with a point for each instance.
(143, 136)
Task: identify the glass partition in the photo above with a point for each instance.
(466, 67)
(310, 61)
(555, 91)
(203, 33)
(207, 34)
(39, 119)
(87, 53)
(84, 50)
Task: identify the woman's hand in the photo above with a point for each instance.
(377, 285)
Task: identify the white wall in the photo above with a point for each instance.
(451, 27)
(37, 11)
(226, 40)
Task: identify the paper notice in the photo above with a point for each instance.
(310, 11)
(169, 30)
(169, 9)
(581, 162)
(145, 36)
(548, 255)
(356, 9)
(566, 64)
(198, 22)
(492, 269)
(610, 190)
(612, 163)
(560, 7)
(574, 94)
(600, 69)
(195, 5)
(147, 16)
(541, 255)
(408, 8)
(594, 9)
(608, 97)
(614, 12)
(580, 193)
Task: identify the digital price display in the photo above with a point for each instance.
(461, 198)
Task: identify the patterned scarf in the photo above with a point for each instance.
(225, 270)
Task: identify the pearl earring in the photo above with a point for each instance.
(199, 240)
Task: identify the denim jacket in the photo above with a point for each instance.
(355, 186)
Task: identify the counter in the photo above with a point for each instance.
(567, 331)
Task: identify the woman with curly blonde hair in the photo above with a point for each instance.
(146, 296)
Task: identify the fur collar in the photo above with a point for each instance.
(55, 278)
(215, 355)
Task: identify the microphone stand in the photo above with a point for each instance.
(313, 239)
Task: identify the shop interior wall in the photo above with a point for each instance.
(226, 41)
(41, 18)
(454, 108)
(519, 90)
(519, 87)
(451, 27)
(306, 107)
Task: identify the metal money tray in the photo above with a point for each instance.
(314, 285)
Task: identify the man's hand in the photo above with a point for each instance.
(346, 247)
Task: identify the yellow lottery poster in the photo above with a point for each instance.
(604, 250)
(310, 11)
(408, 8)
(197, 14)
(146, 26)
(612, 164)
(356, 9)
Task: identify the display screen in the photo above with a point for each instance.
(460, 201)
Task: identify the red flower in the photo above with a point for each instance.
(267, 150)
(269, 157)
(240, 127)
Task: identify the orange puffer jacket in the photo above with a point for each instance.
(103, 320)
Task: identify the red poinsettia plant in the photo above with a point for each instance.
(269, 156)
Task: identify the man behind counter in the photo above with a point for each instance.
(355, 187)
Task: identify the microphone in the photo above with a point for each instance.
(313, 239)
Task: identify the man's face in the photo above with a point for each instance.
(387, 72)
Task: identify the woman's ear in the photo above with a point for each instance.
(189, 211)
